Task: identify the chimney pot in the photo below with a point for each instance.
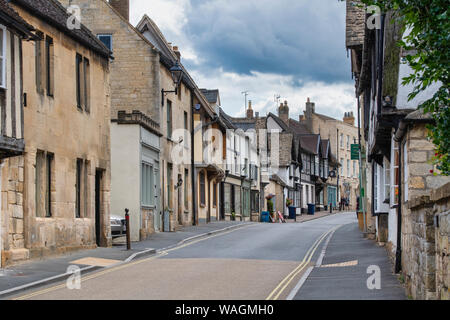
(122, 6)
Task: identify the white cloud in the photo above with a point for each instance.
(173, 18)
(330, 99)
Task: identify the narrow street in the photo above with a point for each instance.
(254, 262)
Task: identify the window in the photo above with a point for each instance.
(186, 128)
(39, 63)
(87, 85)
(255, 201)
(387, 180)
(348, 142)
(202, 189)
(316, 166)
(83, 82)
(148, 185)
(107, 40)
(342, 140)
(49, 65)
(81, 189)
(169, 119)
(44, 177)
(80, 86)
(215, 195)
(186, 191)
(342, 166)
(348, 168)
(354, 169)
(2, 56)
(169, 185)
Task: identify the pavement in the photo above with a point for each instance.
(343, 271)
(52, 269)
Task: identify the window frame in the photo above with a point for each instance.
(49, 65)
(44, 176)
(78, 76)
(106, 35)
(202, 188)
(3, 56)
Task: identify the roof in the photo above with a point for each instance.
(310, 143)
(324, 117)
(298, 127)
(10, 18)
(211, 95)
(226, 119)
(279, 122)
(54, 13)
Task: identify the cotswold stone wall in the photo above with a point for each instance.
(425, 246)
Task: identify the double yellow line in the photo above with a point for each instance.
(278, 291)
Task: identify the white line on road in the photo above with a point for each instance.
(294, 291)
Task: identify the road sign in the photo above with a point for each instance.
(355, 151)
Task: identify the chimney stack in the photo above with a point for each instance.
(349, 118)
(250, 110)
(122, 6)
(283, 112)
(177, 52)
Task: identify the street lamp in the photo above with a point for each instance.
(177, 75)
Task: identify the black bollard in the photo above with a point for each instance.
(127, 221)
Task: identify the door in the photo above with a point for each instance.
(157, 214)
(332, 196)
(180, 201)
(98, 205)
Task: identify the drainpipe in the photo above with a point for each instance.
(361, 205)
(193, 171)
(398, 253)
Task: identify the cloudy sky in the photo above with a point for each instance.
(291, 48)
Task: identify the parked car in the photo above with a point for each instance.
(118, 226)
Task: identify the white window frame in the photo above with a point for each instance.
(3, 57)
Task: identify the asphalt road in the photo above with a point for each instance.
(257, 262)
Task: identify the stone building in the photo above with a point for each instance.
(341, 135)
(135, 115)
(402, 179)
(56, 196)
(241, 186)
(13, 29)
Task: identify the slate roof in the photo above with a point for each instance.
(310, 143)
(211, 95)
(298, 127)
(54, 13)
(10, 18)
(226, 119)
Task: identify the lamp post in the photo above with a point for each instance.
(177, 75)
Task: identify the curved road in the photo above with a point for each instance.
(254, 262)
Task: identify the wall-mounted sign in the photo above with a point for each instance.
(355, 151)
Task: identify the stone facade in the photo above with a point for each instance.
(54, 125)
(341, 134)
(355, 23)
(425, 246)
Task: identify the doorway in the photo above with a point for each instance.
(98, 205)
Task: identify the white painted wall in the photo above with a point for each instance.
(125, 174)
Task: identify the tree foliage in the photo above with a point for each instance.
(427, 43)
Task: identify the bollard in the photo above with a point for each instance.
(331, 207)
(127, 221)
